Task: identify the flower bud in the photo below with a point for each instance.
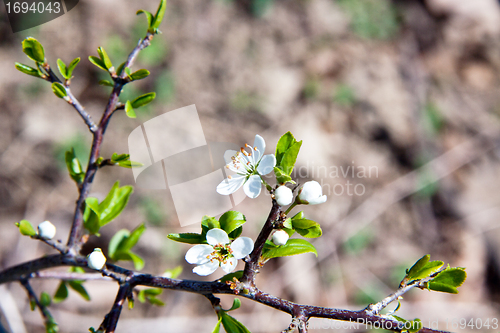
(96, 259)
(283, 195)
(311, 193)
(46, 230)
(280, 237)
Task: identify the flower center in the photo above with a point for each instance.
(221, 253)
(243, 160)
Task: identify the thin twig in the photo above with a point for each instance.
(69, 276)
(47, 317)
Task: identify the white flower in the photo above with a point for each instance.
(283, 195)
(280, 237)
(218, 252)
(46, 230)
(96, 259)
(311, 193)
(248, 166)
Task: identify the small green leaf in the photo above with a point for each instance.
(129, 110)
(27, 70)
(448, 280)
(74, 167)
(59, 90)
(173, 273)
(61, 293)
(115, 242)
(217, 326)
(33, 49)
(115, 158)
(140, 74)
(155, 301)
(230, 276)
(45, 299)
(416, 325)
(307, 228)
(231, 325)
(114, 203)
(423, 268)
(26, 228)
(287, 150)
(120, 68)
(98, 62)
(189, 238)
(62, 69)
(236, 305)
(235, 233)
(137, 260)
(207, 223)
(281, 177)
(134, 237)
(288, 223)
(105, 58)
(291, 248)
(130, 164)
(149, 16)
(80, 289)
(231, 220)
(106, 83)
(299, 215)
(72, 66)
(90, 215)
(159, 14)
(143, 100)
(32, 303)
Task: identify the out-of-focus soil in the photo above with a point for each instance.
(386, 94)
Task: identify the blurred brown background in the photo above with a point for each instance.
(386, 86)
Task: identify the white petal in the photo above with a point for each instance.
(230, 185)
(242, 246)
(206, 269)
(317, 201)
(198, 254)
(253, 186)
(217, 236)
(283, 195)
(229, 265)
(267, 164)
(260, 144)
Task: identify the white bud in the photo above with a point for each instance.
(46, 230)
(311, 193)
(283, 195)
(96, 259)
(280, 237)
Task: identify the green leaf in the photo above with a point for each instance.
(207, 223)
(80, 289)
(189, 238)
(159, 14)
(230, 276)
(134, 237)
(150, 295)
(140, 74)
(130, 164)
(51, 325)
(416, 325)
(129, 110)
(291, 248)
(32, 303)
(45, 299)
(98, 62)
(62, 69)
(33, 49)
(217, 326)
(235, 233)
(59, 90)
(114, 203)
(115, 158)
(106, 83)
(173, 273)
(231, 220)
(423, 268)
(120, 68)
(288, 223)
(307, 228)
(143, 100)
(27, 70)
(448, 280)
(149, 16)
(115, 242)
(236, 305)
(105, 58)
(61, 293)
(72, 66)
(137, 260)
(26, 228)
(281, 177)
(90, 215)
(155, 301)
(287, 150)
(231, 325)
(74, 167)
(299, 215)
